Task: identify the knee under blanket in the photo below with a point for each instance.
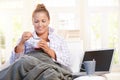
(36, 65)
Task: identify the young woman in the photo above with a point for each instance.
(39, 53)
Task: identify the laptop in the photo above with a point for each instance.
(103, 60)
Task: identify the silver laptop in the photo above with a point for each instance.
(103, 60)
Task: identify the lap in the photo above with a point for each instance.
(34, 58)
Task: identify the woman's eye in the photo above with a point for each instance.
(43, 21)
(36, 21)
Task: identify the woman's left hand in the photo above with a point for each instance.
(44, 46)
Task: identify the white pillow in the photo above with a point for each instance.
(76, 54)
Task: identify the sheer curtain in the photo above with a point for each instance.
(102, 24)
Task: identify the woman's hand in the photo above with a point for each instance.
(44, 46)
(20, 47)
(26, 36)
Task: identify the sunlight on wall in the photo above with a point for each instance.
(59, 3)
(102, 3)
(11, 4)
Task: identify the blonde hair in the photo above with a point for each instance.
(41, 8)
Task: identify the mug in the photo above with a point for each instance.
(89, 67)
(33, 42)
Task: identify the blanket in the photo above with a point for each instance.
(36, 65)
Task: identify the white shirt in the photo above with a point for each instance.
(56, 43)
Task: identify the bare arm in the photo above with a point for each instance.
(20, 47)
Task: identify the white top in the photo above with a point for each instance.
(56, 43)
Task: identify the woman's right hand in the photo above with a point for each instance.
(26, 36)
(20, 47)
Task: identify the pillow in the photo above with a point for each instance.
(76, 54)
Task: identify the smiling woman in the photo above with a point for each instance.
(50, 60)
(17, 14)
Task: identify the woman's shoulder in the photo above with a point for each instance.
(53, 34)
(56, 37)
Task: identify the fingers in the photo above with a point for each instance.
(43, 44)
(26, 36)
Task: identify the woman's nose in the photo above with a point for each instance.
(40, 24)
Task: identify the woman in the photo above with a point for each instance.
(43, 40)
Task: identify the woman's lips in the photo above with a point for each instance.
(39, 28)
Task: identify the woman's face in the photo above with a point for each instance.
(40, 22)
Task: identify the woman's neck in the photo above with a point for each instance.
(44, 36)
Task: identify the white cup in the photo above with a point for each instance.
(33, 42)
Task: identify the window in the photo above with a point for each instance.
(64, 17)
(103, 20)
(103, 3)
(10, 27)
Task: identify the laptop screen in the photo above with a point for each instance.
(103, 59)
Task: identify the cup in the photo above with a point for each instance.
(89, 67)
(33, 42)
